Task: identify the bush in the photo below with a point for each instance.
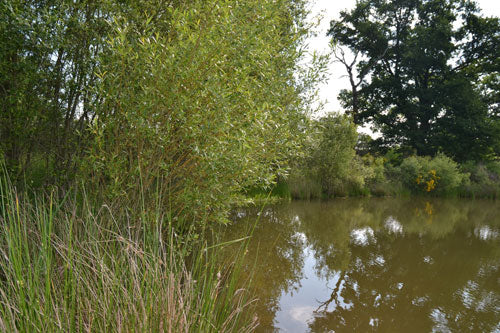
(484, 179)
(438, 175)
(376, 181)
(330, 167)
(333, 156)
(304, 186)
(188, 111)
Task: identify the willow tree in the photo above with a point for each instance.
(201, 100)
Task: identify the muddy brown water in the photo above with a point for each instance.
(374, 265)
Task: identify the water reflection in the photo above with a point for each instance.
(385, 265)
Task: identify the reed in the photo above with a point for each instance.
(68, 266)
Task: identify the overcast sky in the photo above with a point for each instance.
(330, 9)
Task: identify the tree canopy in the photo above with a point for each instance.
(424, 73)
(193, 101)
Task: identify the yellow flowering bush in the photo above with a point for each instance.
(428, 181)
(439, 174)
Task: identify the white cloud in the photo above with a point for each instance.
(302, 313)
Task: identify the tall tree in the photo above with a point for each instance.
(419, 71)
(202, 107)
(48, 57)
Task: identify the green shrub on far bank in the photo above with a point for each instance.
(303, 186)
(269, 194)
(439, 175)
(331, 168)
(484, 180)
(382, 181)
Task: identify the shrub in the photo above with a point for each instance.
(330, 167)
(438, 175)
(484, 179)
(201, 108)
(333, 155)
(303, 185)
(376, 181)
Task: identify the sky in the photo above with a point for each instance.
(329, 10)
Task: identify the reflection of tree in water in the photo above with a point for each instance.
(422, 262)
(436, 273)
(397, 283)
(274, 258)
(327, 227)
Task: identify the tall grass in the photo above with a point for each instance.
(68, 266)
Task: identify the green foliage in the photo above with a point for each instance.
(393, 157)
(440, 175)
(390, 175)
(195, 99)
(259, 196)
(375, 178)
(200, 109)
(424, 74)
(364, 145)
(48, 56)
(333, 155)
(484, 180)
(331, 167)
(199, 98)
(303, 185)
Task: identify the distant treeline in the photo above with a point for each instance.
(425, 77)
(342, 163)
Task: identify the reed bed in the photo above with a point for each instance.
(71, 266)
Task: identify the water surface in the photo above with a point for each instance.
(375, 265)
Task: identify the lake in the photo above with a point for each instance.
(374, 265)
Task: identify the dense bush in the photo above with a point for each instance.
(377, 181)
(330, 167)
(440, 175)
(484, 180)
(48, 58)
(333, 155)
(325, 172)
(303, 185)
(189, 101)
(201, 109)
